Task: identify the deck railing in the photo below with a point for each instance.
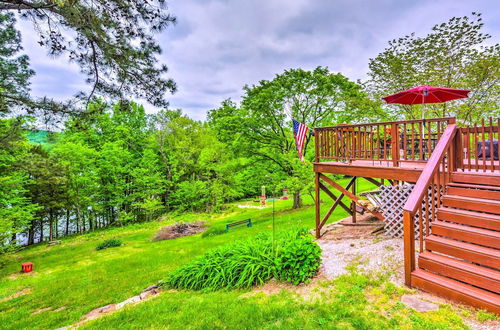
(480, 147)
(425, 197)
(410, 140)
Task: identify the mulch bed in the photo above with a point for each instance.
(180, 229)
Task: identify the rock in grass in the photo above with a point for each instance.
(418, 304)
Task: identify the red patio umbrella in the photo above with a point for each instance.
(426, 94)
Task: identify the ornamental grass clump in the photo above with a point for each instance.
(295, 258)
(113, 242)
(237, 265)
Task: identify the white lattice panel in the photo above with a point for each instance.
(392, 200)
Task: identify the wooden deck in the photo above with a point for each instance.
(405, 171)
(455, 201)
(408, 171)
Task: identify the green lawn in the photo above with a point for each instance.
(76, 278)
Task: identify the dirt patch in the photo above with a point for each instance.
(41, 310)
(16, 275)
(180, 229)
(366, 226)
(17, 294)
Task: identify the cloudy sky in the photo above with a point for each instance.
(218, 46)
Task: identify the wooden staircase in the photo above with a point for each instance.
(461, 260)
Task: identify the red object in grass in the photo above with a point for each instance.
(27, 267)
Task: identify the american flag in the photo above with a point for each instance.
(299, 133)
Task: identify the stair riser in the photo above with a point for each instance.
(466, 236)
(471, 205)
(469, 255)
(492, 180)
(486, 283)
(468, 220)
(453, 294)
(475, 193)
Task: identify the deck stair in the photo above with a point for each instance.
(461, 260)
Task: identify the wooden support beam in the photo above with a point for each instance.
(375, 182)
(353, 203)
(338, 200)
(346, 192)
(317, 201)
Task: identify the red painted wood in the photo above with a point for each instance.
(466, 251)
(479, 178)
(457, 291)
(475, 193)
(473, 204)
(415, 199)
(485, 278)
(470, 218)
(485, 237)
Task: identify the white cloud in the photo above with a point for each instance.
(218, 46)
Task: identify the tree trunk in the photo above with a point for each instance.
(91, 216)
(51, 226)
(297, 200)
(31, 235)
(41, 230)
(83, 223)
(78, 227)
(67, 222)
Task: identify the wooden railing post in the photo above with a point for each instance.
(317, 204)
(409, 245)
(316, 146)
(458, 151)
(395, 144)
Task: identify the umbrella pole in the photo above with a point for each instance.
(423, 107)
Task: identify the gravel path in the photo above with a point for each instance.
(373, 254)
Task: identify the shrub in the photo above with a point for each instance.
(108, 243)
(251, 262)
(298, 259)
(213, 231)
(236, 265)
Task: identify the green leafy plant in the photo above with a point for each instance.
(113, 242)
(298, 259)
(236, 265)
(250, 262)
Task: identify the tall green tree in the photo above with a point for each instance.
(16, 209)
(264, 127)
(456, 54)
(14, 68)
(112, 42)
(199, 170)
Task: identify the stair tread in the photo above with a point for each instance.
(465, 246)
(476, 178)
(473, 199)
(472, 203)
(490, 216)
(473, 186)
(466, 289)
(480, 231)
(476, 269)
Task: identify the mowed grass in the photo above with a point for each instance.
(72, 278)
(76, 279)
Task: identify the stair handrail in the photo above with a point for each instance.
(431, 174)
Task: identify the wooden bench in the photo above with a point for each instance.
(246, 222)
